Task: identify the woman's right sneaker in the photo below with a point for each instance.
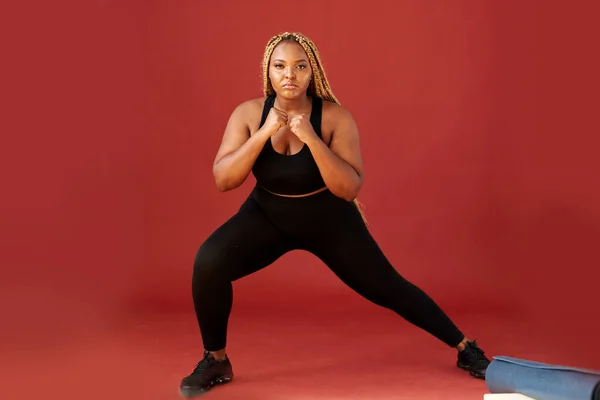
(207, 373)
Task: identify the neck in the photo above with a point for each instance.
(293, 106)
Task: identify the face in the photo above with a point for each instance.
(289, 70)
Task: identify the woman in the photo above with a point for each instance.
(303, 148)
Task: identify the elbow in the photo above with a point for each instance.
(224, 185)
(350, 195)
(227, 179)
(222, 181)
(220, 184)
(349, 192)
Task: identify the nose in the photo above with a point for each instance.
(289, 73)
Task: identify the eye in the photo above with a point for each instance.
(302, 66)
(278, 65)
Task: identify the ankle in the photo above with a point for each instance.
(219, 355)
(462, 345)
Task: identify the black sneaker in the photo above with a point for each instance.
(472, 359)
(207, 373)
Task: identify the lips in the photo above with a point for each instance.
(289, 86)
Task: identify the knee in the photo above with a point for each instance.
(208, 265)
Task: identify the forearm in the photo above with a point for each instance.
(341, 179)
(233, 169)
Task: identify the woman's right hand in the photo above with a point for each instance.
(239, 147)
(276, 119)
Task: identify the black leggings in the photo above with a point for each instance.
(267, 226)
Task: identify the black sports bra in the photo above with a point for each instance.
(289, 174)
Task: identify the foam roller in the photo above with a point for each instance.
(541, 381)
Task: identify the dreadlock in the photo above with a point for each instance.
(319, 86)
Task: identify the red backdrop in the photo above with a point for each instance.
(477, 135)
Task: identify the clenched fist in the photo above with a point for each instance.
(276, 119)
(301, 127)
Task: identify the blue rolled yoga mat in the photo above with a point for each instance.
(541, 381)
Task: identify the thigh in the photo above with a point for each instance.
(354, 256)
(347, 247)
(244, 244)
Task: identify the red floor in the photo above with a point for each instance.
(366, 353)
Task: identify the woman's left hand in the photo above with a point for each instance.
(301, 127)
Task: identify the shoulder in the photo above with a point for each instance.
(249, 107)
(248, 113)
(336, 117)
(335, 112)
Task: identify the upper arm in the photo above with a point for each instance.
(236, 132)
(345, 140)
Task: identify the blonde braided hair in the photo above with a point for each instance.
(319, 85)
